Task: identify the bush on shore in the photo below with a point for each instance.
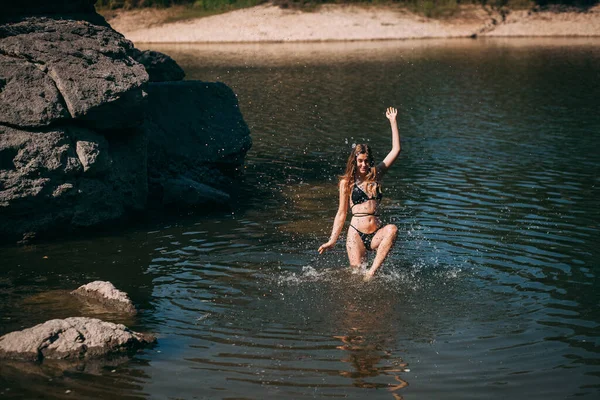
(429, 8)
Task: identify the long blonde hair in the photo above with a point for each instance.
(371, 187)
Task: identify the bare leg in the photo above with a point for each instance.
(357, 253)
(382, 242)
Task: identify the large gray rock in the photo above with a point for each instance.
(28, 96)
(160, 67)
(35, 164)
(71, 338)
(196, 137)
(74, 148)
(195, 131)
(107, 294)
(61, 179)
(90, 66)
(195, 123)
(71, 100)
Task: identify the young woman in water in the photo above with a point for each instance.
(360, 187)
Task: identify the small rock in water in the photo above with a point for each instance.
(71, 338)
(106, 293)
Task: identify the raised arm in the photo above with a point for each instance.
(340, 217)
(387, 162)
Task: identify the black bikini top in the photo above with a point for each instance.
(359, 196)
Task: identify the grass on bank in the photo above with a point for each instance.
(179, 10)
(190, 9)
(205, 8)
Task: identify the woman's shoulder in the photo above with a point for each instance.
(343, 184)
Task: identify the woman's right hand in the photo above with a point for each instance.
(391, 113)
(326, 246)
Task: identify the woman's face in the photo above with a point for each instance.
(362, 163)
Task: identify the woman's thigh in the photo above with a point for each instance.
(385, 232)
(357, 253)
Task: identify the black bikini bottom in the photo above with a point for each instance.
(366, 237)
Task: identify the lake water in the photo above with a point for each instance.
(492, 289)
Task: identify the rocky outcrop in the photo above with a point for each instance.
(71, 338)
(77, 115)
(195, 120)
(190, 121)
(68, 176)
(72, 154)
(90, 66)
(28, 96)
(106, 294)
(160, 67)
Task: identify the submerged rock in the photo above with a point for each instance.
(71, 338)
(187, 192)
(105, 293)
(18, 370)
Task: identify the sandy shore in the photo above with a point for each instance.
(267, 23)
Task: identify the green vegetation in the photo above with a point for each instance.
(443, 8)
(198, 4)
(204, 8)
(434, 8)
(206, 5)
(185, 9)
(430, 8)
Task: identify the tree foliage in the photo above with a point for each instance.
(414, 4)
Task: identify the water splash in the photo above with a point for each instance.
(413, 277)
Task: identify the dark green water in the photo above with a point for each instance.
(491, 291)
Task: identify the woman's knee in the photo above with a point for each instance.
(392, 231)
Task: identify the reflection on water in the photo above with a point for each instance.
(491, 290)
(368, 341)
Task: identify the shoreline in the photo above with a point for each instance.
(348, 23)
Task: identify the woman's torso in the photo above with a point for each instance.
(365, 207)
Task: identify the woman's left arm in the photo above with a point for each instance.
(389, 160)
